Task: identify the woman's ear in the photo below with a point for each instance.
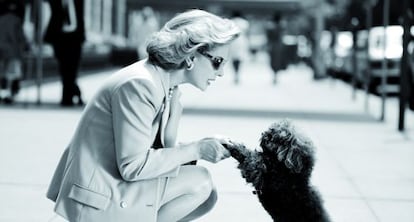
(189, 59)
(190, 62)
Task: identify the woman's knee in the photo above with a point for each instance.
(211, 201)
(202, 181)
(206, 189)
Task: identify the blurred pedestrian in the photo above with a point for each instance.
(13, 45)
(275, 33)
(239, 50)
(123, 163)
(146, 27)
(66, 33)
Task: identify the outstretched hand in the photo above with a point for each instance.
(211, 149)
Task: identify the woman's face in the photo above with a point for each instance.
(207, 66)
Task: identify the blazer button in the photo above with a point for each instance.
(123, 204)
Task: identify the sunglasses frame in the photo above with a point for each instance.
(216, 61)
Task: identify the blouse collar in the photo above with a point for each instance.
(162, 75)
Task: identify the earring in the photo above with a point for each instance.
(190, 66)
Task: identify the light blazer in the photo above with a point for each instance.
(108, 172)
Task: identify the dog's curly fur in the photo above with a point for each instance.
(281, 174)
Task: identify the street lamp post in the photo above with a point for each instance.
(39, 51)
(384, 63)
(367, 76)
(404, 88)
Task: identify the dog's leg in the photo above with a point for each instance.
(238, 151)
(250, 163)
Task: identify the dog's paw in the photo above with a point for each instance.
(237, 150)
(231, 144)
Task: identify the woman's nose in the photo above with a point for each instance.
(220, 73)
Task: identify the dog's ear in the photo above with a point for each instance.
(298, 157)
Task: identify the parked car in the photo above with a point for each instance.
(338, 56)
(388, 48)
(379, 48)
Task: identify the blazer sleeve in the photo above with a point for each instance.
(133, 112)
(54, 186)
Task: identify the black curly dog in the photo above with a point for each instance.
(281, 173)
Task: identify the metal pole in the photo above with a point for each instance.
(384, 63)
(403, 97)
(39, 54)
(367, 77)
(354, 76)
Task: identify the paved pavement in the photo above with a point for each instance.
(364, 168)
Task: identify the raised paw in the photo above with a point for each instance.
(237, 150)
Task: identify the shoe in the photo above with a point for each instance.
(8, 100)
(75, 100)
(66, 103)
(78, 100)
(77, 96)
(15, 86)
(6, 97)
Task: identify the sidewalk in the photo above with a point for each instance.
(364, 169)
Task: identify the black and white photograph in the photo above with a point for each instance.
(207, 110)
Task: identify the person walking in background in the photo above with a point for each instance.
(66, 33)
(13, 45)
(275, 32)
(239, 50)
(123, 162)
(148, 24)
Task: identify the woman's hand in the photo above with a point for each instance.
(212, 150)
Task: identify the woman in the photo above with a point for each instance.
(66, 33)
(239, 50)
(13, 46)
(275, 32)
(114, 169)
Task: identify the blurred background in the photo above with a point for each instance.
(343, 70)
(360, 42)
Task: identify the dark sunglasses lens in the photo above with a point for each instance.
(217, 62)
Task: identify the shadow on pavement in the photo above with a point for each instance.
(228, 112)
(43, 106)
(308, 115)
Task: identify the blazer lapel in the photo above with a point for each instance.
(168, 136)
(172, 124)
(164, 119)
(165, 81)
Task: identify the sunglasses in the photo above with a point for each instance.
(216, 61)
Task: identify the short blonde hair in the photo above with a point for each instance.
(186, 33)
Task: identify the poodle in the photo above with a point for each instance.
(281, 172)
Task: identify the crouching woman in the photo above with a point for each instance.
(123, 162)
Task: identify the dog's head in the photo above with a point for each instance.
(282, 143)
